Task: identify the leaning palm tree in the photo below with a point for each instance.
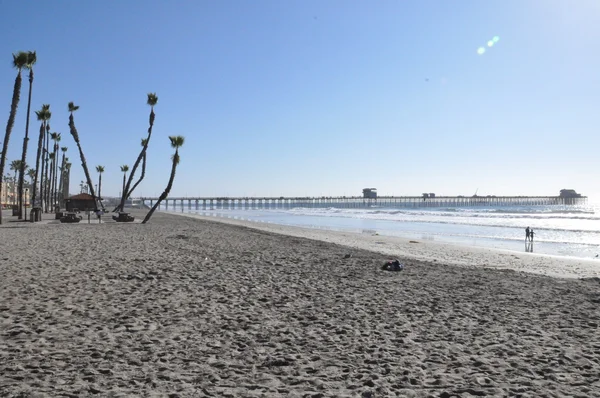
(31, 60)
(100, 170)
(144, 143)
(19, 61)
(43, 115)
(176, 142)
(124, 170)
(72, 109)
(151, 100)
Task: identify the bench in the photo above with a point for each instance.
(70, 218)
(123, 217)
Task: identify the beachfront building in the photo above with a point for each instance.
(81, 202)
(9, 194)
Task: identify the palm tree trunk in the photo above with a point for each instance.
(9, 126)
(123, 191)
(100, 191)
(55, 181)
(60, 181)
(127, 192)
(47, 178)
(83, 162)
(14, 202)
(141, 177)
(37, 166)
(164, 195)
(25, 142)
(50, 204)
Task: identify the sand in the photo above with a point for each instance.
(182, 307)
(431, 251)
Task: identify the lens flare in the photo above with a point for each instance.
(481, 50)
(496, 39)
(490, 43)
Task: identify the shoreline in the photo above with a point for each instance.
(423, 250)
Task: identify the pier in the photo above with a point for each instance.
(254, 203)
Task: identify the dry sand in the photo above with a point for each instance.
(191, 308)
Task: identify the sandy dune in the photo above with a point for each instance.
(186, 308)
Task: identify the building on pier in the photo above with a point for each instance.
(370, 193)
(569, 193)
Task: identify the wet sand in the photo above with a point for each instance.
(186, 307)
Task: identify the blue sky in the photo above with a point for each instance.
(319, 97)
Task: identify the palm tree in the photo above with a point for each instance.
(144, 143)
(151, 100)
(15, 166)
(62, 173)
(46, 179)
(31, 175)
(19, 62)
(176, 142)
(66, 179)
(100, 170)
(31, 60)
(43, 115)
(53, 168)
(51, 159)
(124, 169)
(72, 109)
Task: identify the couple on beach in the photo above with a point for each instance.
(529, 234)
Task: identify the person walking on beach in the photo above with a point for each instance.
(531, 235)
(527, 233)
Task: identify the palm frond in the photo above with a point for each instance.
(72, 107)
(124, 168)
(152, 99)
(100, 169)
(31, 59)
(176, 140)
(64, 148)
(20, 59)
(144, 141)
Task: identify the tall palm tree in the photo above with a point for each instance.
(43, 115)
(124, 169)
(144, 143)
(151, 100)
(66, 180)
(72, 109)
(47, 171)
(19, 62)
(15, 166)
(31, 60)
(53, 168)
(100, 170)
(176, 142)
(51, 159)
(62, 173)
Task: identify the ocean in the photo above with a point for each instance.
(572, 231)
